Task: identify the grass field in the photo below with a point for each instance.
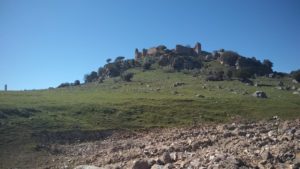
(150, 100)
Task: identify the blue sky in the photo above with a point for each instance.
(45, 43)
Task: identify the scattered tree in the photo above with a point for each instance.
(296, 75)
(127, 76)
(147, 65)
(108, 60)
(76, 83)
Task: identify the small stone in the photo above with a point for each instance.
(166, 158)
(266, 155)
(87, 167)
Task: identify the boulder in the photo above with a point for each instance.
(141, 164)
(259, 94)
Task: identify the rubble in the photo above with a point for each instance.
(265, 144)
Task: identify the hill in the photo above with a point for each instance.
(172, 94)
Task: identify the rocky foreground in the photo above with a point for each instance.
(268, 144)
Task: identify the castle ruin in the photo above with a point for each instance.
(159, 50)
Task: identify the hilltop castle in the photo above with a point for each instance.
(160, 50)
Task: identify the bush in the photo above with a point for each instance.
(127, 76)
(168, 69)
(296, 75)
(76, 83)
(90, 77)
(213, 78)
(229, 57)
(146, 65)
(244, 73)
(64, 85)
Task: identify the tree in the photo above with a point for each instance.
(108, 60)
(229, 74)
(268, 63)
(90, 77)
(244, 73)
(113, 69)
(229, 57)
(296, 75)
(127, 76)
(146, 65)
(101, 71)
(119, 58)
(76, 83)
(64, 85)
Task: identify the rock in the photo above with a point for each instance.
(174, 156)
(266, 155)
(156, 166)
(166, 158)
(169, 166)
(141, 164)
(178, 84)
(195, 163)
(296, 161)
(295, 81)
(296, 92)
(293, 88)
(259, 94)
(200, 96)
(280, 84)
(87, 167)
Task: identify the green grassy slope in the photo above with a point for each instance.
(150, 100)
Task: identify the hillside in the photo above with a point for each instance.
(155, 96)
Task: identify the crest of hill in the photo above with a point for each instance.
(185, 58)
(217, 65)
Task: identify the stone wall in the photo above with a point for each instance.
(197, 48)
(184, 50)
(152, 51)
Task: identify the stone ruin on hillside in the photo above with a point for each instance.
(179, 49)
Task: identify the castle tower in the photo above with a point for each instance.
(5, 87)
(137, 54)
(197, 48)
(144, 52)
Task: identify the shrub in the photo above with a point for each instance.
(127, 76)
(146, 65)
(213, 78)
(229, 74)
(178, 63)
(244, 73)
(64, 85)
(168, 69)
(296, 75)
(76, 83)
(90, 77)
(229, 57)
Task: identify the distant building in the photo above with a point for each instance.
(160, 50)
(5, 87)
